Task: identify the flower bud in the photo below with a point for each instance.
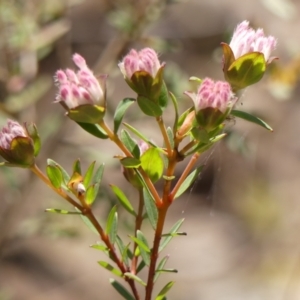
(143, 72)
(213, 102)
(247, 56)
(81, 93)
(16, 146)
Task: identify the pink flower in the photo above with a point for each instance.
(12, 130)
(144, 60)
(217, 95)
(80, 88)
(246, 40)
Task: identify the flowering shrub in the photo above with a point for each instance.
(144, 162)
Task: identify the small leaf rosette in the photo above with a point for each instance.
(213, 103)
(143, 72)
(82, 94)
(19, 145)
(246, 57)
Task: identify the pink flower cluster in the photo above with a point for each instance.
(80, 88)
(245, 40)
(144, 60)
(12, 130)
(213, 94)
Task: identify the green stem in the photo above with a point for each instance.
(164, 134)
(183, 176)
(86, 211)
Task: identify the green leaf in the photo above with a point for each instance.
(141, 266)
(88, 223)
(161, 295)
(150, 208)
(163, 97)
(121, 290)
(110, 268)
(64, 173)
(93, 129)
(100, 247)
(130, 162)
(77, 166)
(112, 224)
(123, 199)
(88, 175)
(170, 136)
(97, 179)
(149, 107)
(167, 240)
(63, 211)
(91, 194)
(248, 117)
(145, 253)
(141, 243)
(188, 181)
(130, 143)
(120, 112)
(139, 134)
(160, 266)
(136, 278)
(54, 175)
(124, 250)
(166, 271)
(152, 164)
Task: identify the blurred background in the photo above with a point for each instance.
(242, 215)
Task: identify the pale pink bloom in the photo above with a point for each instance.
(12, 130)
(144, 60)
(246, 40)
(213, 94)
(80, 88)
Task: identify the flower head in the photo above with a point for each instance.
(217, 95)
(246, 40)
(80, 88)
(16, 145)
(12, 130)
(145, 60)
(213, 102)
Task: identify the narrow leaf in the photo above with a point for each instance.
(139, 134)
(123, 250)
(248, 117)
(121, 289)
(188, 181)
(130, 162)
(88, 175)
(174, 229)
(141, 266)
(123, 199)
(130, 143)
(150, 208)
(55, 176)
(160, 266)
(175, 104)
(90, 195)
(62, 211)
(64, 173)
(112, 224)
(170, 136)
(140, 243)
(77, 166)
(88, 223)
(110, 268)
(100, 247)
(144, 253)
(93, 129)
(120, 112)
(161, 295)
(136, 278)
(98, 175)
